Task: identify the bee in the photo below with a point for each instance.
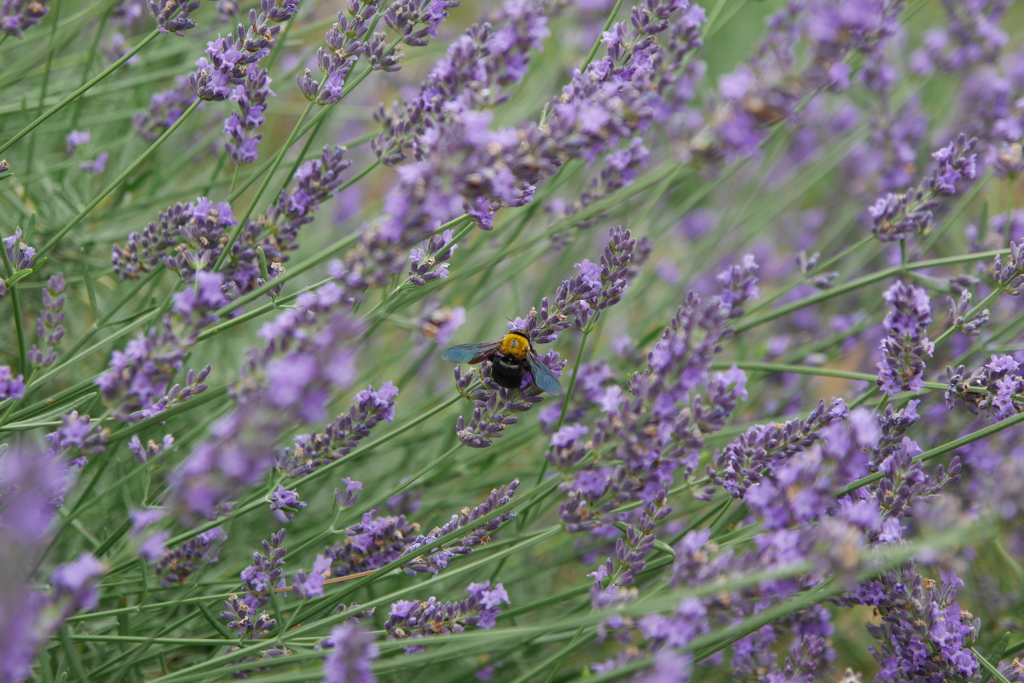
(509, 357)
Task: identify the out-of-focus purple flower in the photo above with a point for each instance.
(96, 166)
(48, 324)
(439, 323)
(973, 37)
(414, 619)
(290, 379)
(309, 586)
(906, 343)
(76, 138)
(152, 449)
(177, 565)
(74, 588)
(165, 108)
(18, 15)
(11, 386)
(312, 451)
(352, 651)
(79, 435)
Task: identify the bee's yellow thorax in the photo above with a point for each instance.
(515, 345)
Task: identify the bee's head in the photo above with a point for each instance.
(514, 345)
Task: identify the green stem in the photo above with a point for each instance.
(120, 179)
(60, 105)
(19, 325)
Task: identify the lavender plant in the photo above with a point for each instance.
(229, 446)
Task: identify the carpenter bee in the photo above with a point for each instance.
(509, 358)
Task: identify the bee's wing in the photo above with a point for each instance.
(470, 353)
(543, 377)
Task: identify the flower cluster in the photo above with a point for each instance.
(347, 42)
(11, 386)
(659, 427)
(190, 238)
(439, 558)
(265, 574)
(993, 389)
(425, 267)
(312, 451)
(413, 619)
(172, 16)
(48, 324)
(896, 216)
(924, 634)
(906, 343)
(306, 356)
(350, 652)
(476, 72)
(175, 566)
(371, 544)
(165, 108)
(19, 254)
(251, 97)
(741, 464)
(18, 15)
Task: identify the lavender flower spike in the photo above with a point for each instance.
(18, 15)
(906, 345)
(351, 653)
(415, 619)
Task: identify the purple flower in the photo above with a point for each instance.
(923, 633)
(11, 386)
(263, 575)
(431, 618)
(74, 139)
(439, 558)
(312, 451)
(906, 344)
(568, 435)
(306, 356)
(424, 267)
(164, 10)
(897, 215)
(177, 565)
(95, 167)
(18, 15)
(350, 656)
(309, 586)
(439, 324)
(371, 544)
(286, 503)
(165, 108)
(48, 324)
(240, 126)
(20, 254)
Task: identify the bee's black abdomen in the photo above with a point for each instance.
(507, 373)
